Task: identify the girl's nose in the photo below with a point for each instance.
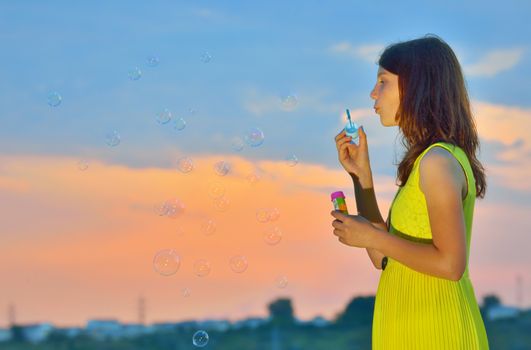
(373, 94)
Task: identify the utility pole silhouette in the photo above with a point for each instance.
(11, 314)
(141, 310)
(519, 292)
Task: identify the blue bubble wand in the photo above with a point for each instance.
(349, 120)
(352, 130)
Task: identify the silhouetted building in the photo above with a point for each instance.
(36, 333)
(5, 334)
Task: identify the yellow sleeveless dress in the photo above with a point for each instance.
(414, 310)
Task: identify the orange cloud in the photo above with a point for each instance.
(80, 244)
(510, 126)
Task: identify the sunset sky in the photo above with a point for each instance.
(79, 219)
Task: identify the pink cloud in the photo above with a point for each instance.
(88, 251)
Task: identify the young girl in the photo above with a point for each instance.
(425, 299)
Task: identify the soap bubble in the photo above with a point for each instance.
(292, 160)
(262, 215)
(238, 263)
(54, 99)
(216, 190)
(200, 339)
(205, 57)
(164, 116)
(166, 262)
(273, 235)
(208, 227)
(222, 204)
(173, 208)
(252, 178)
(289, 102)
(135, 73)
(179, 124)
(82, 165)
(191, 111)
(152, 61)
(237, 143)
(281, 281)
(185, 164)
(274, 214)
(222, 168)
(202, 267)
(185, 292)
(113, 138)
(254, 137)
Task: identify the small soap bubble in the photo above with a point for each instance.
(185, 164)
(252, 178)
(185, 292)
(54, 99)
(164, 116)
(262, 215)
(113, 138)
(238, 263)
(200, 339)
(216, 190)
(173, 208)
(222, 168)
(166, 262)
(222, 204)
(161, 209)
(82, 165)
(274, 214)
(152, 61)
(281, 281)
(179, 124)
(289, 102)
(237, 143)
(134, 73)
(208, 227)
(254, 137)
(291, 160)
(205, 57)
(191, 111)
(202, 267)
(272, 235)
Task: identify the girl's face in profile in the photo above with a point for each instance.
(386, 97)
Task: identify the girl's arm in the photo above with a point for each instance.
(368, 208)
(442, 181)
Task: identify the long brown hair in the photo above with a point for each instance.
(434, 104)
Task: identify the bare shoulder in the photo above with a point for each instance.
(440, 167)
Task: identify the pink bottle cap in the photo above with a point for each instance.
(337, 195)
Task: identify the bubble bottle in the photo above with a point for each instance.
(338, 199)
(352, 130)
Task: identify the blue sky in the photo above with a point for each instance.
(84, 51)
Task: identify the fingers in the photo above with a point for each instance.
(343, 141)
(340, 135)
(337, 224)
(339, 215)
(346, 145)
